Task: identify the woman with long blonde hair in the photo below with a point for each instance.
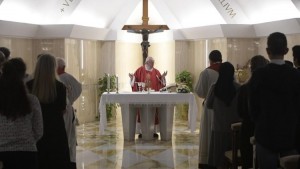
(53, 151)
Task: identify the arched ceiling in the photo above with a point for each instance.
(179, 15)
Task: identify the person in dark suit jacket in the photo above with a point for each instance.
(274, 104)
(296, 59)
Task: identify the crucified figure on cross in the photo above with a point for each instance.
(145, 43)
(145, 29)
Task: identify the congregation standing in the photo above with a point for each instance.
(267, 105)
(37, 118)
(274, 99)
(40, 132)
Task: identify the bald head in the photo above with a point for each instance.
(61, 64)
(149, 62)
(149, 59)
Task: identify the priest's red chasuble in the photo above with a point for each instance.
(151, 78)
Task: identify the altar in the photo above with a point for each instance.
(147, 102)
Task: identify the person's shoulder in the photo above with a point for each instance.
(59, 84)
(243, 88)
(208, 73)
(237, 84)
(209, 70)
(32, 98)
(296, 73)
(213, 85)
(29, 84)
(30, 81)
(66, 74)
(265, 68)
(205, 71)
(261, 71)
(141, 67)
(291, 71)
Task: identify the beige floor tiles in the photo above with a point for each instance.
(110, 151)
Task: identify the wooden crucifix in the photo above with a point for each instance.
(145, 29)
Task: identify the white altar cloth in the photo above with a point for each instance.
(144, 98)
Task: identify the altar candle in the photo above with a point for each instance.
(108, 82)
(117, 78)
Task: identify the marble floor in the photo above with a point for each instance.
(110, 151)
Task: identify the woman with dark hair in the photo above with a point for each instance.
(222, 99)
(296, 59)
(6, 52)
(21, 124)
(53, 150)
(2, 60)
(247, 128)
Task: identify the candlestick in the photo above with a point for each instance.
(117, 79)
(108, 83)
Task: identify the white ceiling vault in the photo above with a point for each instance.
(187, 19)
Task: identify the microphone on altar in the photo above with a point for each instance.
(159, 79)
(168, 87)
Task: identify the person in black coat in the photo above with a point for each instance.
(296, 59)
(274, 104)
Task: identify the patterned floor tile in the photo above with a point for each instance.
(110, 151)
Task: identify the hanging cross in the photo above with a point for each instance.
(145, 29)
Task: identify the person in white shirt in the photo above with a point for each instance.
(206, 78)
(74, 89)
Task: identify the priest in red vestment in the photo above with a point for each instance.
(152, 79)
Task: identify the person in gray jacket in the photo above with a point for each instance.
(74, 89)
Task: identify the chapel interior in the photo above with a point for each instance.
(88, 35)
